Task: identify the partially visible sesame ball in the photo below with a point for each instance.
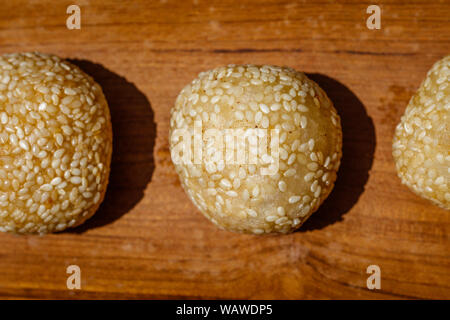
(421, 146)
(55, 144)
(239, 196)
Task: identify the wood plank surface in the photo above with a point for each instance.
(149, 241)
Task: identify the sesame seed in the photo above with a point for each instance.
(69, 91)
(311, 144)
(309, 176)
(4, 118)
(236, 183)
(46, 187)
(291, 159)
(303, 122)
(275, 107)
(318, 191)
(67, 130)
(42, 154)
(295, 145)
(265, 122)
(264, 108)
(56, 181)
(252, 212)
(290, 172)
(75, 180)
(258, 117)
(283, 154)
(314, 186)
(245, 195)
(255, 191)
(312, 166)
(231, 193)
(302, 108)
(215, 99)
(282, 186)
(225, 183)
(24, 145)
(286, 97)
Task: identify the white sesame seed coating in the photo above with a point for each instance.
(421, 145)
(262, 97)
(56, 144)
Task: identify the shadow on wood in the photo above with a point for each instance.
(358, 151)
(134, 133)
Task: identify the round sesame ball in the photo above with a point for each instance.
(293, 115)
(421, 146)
(55, 144)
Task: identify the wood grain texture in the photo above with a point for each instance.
(148, 240)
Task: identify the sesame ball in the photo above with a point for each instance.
(421, 146)
(55, 144)
(282, 111)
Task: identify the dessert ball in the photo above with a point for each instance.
(257, 148)
(421, 146)
(55, 144)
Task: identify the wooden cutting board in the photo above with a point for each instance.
(149, 241)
